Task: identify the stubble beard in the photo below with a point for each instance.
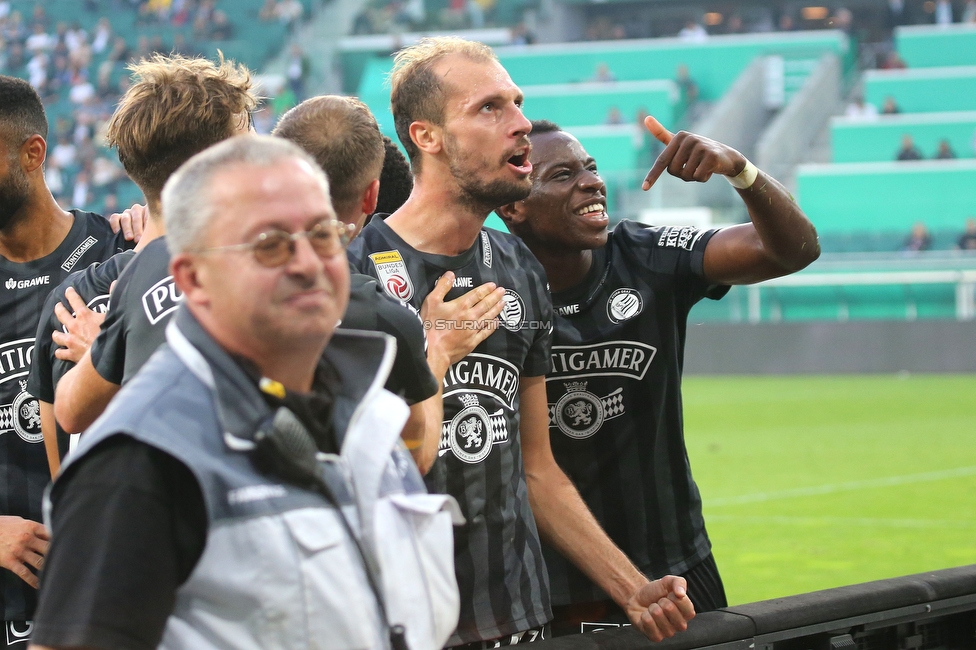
(477, 194)
(14, 193)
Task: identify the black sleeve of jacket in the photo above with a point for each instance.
(128, 526)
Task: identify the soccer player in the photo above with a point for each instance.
(176, 107)
(40, 244)
(342, 136)
(614, 385)
(458, 114)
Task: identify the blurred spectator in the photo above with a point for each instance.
(943, 12)
(39, 41)
(890, 107)
(297, 71)
(79, 195)
(969, 12)
(111, 205)
(893, 61)
(4, 9)
(843, 19)
(861, 110)
(786, 23)
(289, 12)
(967, 241)
(181, 46)
(614, 116)
(120, 51)
(521, 35)
(945, 151)
(908, 150)
(39, 17)
(734, 25)
(693, 32)
(688, 91)
(54, 178)
(896, 13)
(221, 29)
(602, 74)
(263, 119)
(919, 239)
(268, 11)
(64, 154)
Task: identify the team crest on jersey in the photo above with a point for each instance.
(162, 298)
(579, 413)
(18, 632)
(470, 434)
(513, 313)
(393, 274)
(23, 416)
(624, 304)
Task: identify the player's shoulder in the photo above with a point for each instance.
(497, 244)
(98, 277)
(635, 236)
(98, 227)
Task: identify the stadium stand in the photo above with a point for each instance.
(855, 140)
(78, 58)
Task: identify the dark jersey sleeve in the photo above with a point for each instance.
(40, 382)
(675, 250)
(537, 361)
(410, 377)
(128, 526)
(108, 348)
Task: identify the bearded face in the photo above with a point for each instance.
(484, 182)
(14, 190)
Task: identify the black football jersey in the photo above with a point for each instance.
(92, 285)
(372, 309)
(497, 553)
(23, 464)
(140, 307)
(614, 388)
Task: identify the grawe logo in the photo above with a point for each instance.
(26, 284)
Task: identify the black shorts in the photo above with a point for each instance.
(16, 634)
(705, 589)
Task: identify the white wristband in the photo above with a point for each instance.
(745, 178)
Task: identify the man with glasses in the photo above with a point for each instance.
(212, 103)
(213, 505)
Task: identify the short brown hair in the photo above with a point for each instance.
(343, 137)
(177, 107)
(417, 93)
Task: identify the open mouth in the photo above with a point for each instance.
(520, 162)
(593, 211)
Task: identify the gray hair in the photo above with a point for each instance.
(187, 207)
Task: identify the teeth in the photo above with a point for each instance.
(596, 207)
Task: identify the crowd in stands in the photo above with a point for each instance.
(920, 238)
(78, 67)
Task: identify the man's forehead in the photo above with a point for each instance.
(467, 77)
(556, 147)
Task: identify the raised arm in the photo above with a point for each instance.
(779, 240)
(659, 608)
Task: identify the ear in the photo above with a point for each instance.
(428, 137)
(513, 214)
(33, 153)
(186, 273)
(370, 197)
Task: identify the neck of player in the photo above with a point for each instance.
(37, 229)
(564, 268)
(436, 219)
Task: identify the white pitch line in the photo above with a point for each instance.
(830, 488)
(849, 521)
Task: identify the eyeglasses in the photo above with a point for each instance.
(276, 247)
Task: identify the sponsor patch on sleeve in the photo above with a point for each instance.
(393, 275)
(680, 237)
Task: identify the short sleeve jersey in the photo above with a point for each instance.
(140, 307)
(614, 390)
(373, 310)
(23, 465)
(92, 285)
(497, 553)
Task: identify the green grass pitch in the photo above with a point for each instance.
(816, 482)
